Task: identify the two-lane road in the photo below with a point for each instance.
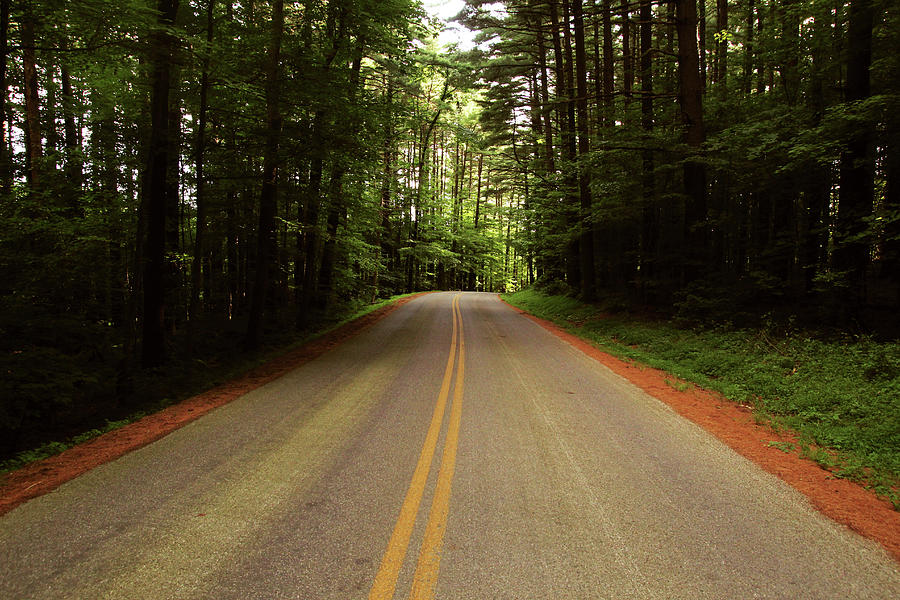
(454, 450)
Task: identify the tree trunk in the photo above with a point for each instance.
(609, 65)
(851, 252)
(890, 261)
(596, 73)
(174, 285)
(690, 100)
(383, 232)
(701, 40)
(153, 351)
(33, 151)
(722, 46)
(649, 219)
(49, 115)
(335, 27)
(749, 47)
(268, 200)
(566, 88)
(572, 271)
(761, 60)
(74, 160)
(199, 165)
(586, 240)
(336, 207)
(818, 178)
(790, 55)
(310, 236)
(5, 163)
(627, 63)
(546, 108)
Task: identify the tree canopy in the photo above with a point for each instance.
(730, 157)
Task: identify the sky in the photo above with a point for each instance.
(454, 32)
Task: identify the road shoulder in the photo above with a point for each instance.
(840, 499)
(44, 476)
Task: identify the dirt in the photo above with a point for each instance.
(844, 501)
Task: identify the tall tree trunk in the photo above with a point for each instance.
(749, 47)
(890, 261)
(310, 217)
(609, 65)
(335, 27)
(627, 63)
(473, 283)
(336, 207)
(790, 53)
(268, 200)
(385, 250)
(722, 46)
(565, 64)
(572, 271)
(49, 125)
(649, 219)
(5, 163)
(546, 108)
(537, 160)
(763, 70)
(74, 161)
(818, 180)
(197, 279)
(586, 240)
(153, 350)
(596, 72)
(232, 256)
(33, 151)
(174, 285)
(690, 99)
(700, 9)
(851, 252)
(603, 249)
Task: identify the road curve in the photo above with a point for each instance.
(454, 450)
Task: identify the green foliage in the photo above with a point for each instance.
(769, 228)
(364, 208)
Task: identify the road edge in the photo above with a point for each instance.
(841, 500)
(43, 476)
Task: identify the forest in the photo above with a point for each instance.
(182, 180)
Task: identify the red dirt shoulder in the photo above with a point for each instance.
(46, 475)
(843, 500)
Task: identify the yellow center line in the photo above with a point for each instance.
(386, 578)
(425, 578)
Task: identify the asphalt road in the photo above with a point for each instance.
(455, 450)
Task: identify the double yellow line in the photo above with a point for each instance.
(425, 577)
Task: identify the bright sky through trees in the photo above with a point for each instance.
(454, 32)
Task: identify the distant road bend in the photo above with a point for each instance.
(454, 450)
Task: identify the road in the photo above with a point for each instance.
(454, 450)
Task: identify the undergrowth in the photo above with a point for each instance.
(842, 396)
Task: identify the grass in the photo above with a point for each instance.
(842, 397)
(184, 379)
